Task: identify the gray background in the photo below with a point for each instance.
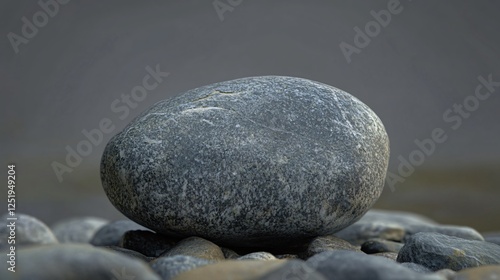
(425, 60)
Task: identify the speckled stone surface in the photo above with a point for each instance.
(249, 162)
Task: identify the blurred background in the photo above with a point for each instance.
(64, 65)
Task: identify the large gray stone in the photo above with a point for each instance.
(438, 251)
(249, 162)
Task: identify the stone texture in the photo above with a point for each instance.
(263, 256)
(76, 261)
(169, 267)
(77, 230)
(112, 233)
(362, 231)
(487, 272)
(327, 243)
(28, 231)
(451, 230)
(198, 248)
(438, 251)
(261, 161)
(374, 246)
(356, 265)
(399, 226)
(146, 242)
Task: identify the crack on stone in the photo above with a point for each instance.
(215, 92)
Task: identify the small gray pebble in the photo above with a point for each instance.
(438, 251)
(263, 256)
(77, 230)
(112, 233)
(169, 267)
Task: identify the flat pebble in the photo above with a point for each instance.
(357, 265)
(438, 251)
(253, 270)
(112, 233)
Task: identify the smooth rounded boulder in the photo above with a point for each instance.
(260, 161)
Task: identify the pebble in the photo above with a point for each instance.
(229, 254)
(77, 230)
(253, 270)
(258, 256)
(146, 242)
(374, 246)
(128, 252)
(112, 233)
(76, 262)
(399, 226)
(438, 251)
(327, 243)
(169, 267)
(457, 231)
(238, 162)
(487, 272)
(362, 231)
(28, 231)
(196, 247)
(357, 265)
